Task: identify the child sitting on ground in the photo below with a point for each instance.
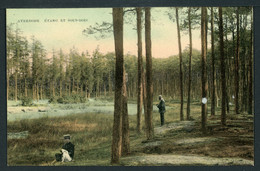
(67, 151)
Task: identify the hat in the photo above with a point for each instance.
(67, 136)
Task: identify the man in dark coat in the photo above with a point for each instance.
(67, 146)
(162, 110)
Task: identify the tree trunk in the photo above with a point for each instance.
(140, 65)
(37, 92)
(223, 77)
(105, 91)
(41, 93)
(118, 107)
(33, 87)
(7, 85)
(16, 87)
(69, 87)
(60, 88)
(204, 68)
(53, 89)
(73, 85)
(189, 84)
(149, 75)
(213, 75)
(180, 57)
(237, 66)
(25, 87)
(110, 84)
(145, 101)
(125, 121)
(250, 84)
(227, 69)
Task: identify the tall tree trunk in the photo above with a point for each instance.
(237, 66)
(149, 75)
(250, 84)
(33, 88)
(60, 88)
(213, 94)
(37, 92)
(223, 77)
(53, 89)
(7, 85)
(204, 68)
(189, 84)
(118, 107)
(25, 87)
(140, 65)
(16, 87)
(41, 93)
(180, 57)
(125, 121)
(69, 87)
(227, 68)
(109, 84)
(145, 101)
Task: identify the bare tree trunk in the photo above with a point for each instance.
(60, 88)
(140, 65)
(25, 88)
(109, 84)
(33, 87)
(73, 85)
(213, 93)
(149, 75)
(189, 84)
(16, 87)
(227, 69)
(37, 91)
(41, 93)
(204, 69)
(53, 89)
(237, 67)
(180, 57)
(69, 87)
(223, 77)
(145, 101)
(118, 107)
(125, 121)
(7, 85)
(250, 84)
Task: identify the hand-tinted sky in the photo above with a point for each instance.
(66, 35)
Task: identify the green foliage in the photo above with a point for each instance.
(27, 101)
(53, 99)
(74, 98)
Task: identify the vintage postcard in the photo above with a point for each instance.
(140, 86)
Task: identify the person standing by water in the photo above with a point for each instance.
(162, 110)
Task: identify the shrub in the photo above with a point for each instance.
(27, 101)
(60, 100)
(68, 99)
(53, 100)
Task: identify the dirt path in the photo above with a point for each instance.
(181, 143)
(177, 160)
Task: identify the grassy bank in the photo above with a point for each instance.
(91, 133)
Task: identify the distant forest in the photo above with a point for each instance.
(92, 74)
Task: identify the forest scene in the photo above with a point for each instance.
(142, 86)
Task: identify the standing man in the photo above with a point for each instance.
(162, 110)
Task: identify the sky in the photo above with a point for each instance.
(56, 30)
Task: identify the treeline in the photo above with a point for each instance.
(30, 73)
